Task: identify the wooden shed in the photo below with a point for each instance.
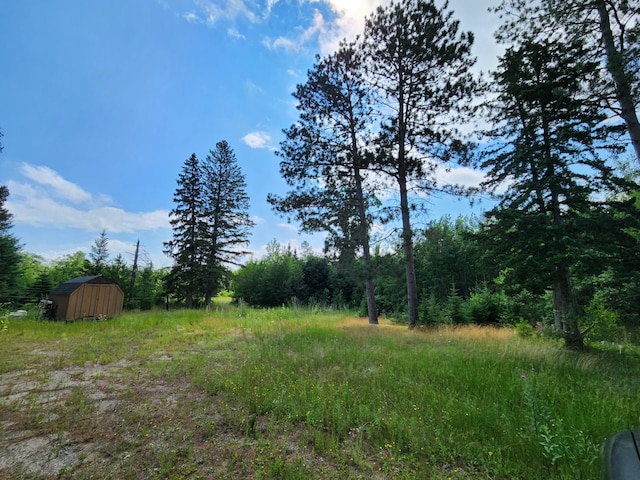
(86, 297)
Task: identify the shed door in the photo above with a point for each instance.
(96, 300)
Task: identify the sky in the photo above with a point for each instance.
(101, 103)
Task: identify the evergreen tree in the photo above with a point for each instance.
(225, 217)
(324, 158)
(99, 254)
(611, 30)
(210, 222)
(186, 219)
(549, 141)
(419, 64)
(9, 252)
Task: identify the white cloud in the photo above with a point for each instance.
(191, 17)
(232, 32)
(230, 10)
(302, 37)
(288, 226)
(61, 188)
(47, 199)
(257, 139)
(462, 176)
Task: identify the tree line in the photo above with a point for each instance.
(388, 109)
(379, 120)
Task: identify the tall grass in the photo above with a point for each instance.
(382, 401)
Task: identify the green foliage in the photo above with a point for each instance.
(273, 281)
(566, 448)
(446, 253)
(210, 223)
(524, 328)
(457, 312)
(431, 312)
(282, 278)
(603, 323)
(68, 267)
(486, 307)
(9, 252)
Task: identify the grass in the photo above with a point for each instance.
(292, 393)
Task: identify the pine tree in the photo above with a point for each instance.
(225, 214)
(324, 158)
(549, 145)
(9, 251)
(419, 64)
(99, 254)
(186, 219)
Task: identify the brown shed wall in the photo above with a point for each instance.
(90, 300)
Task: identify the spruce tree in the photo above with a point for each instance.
(186, 219)
(225, 219)
(210, 223)
(9, 250)
(550, 147)
(99, 254)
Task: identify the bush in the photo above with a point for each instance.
(524, 328)
(430, 312)
(603, 323)
(456, 309)
(484, 307)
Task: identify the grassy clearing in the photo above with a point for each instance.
(286, 393)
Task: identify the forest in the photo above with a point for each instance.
(554, 128)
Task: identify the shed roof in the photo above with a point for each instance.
(70, 286)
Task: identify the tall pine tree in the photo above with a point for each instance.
(187, 221)
(419, 64)
(225, 217)
(9, 251)
(324, 158)
(550, 149)
(210, 224)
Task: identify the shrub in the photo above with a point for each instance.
(485, 307)
(603, 323)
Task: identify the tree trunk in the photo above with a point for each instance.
(616, 67)
(372, 311)
(407, 244)
(565, 310)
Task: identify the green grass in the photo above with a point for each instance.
(292, 393)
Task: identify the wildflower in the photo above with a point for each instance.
(523, 376)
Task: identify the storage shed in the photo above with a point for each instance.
(86, 297)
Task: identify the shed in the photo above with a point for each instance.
(86, 297)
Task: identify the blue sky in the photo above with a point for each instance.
(102, 101)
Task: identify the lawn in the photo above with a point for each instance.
(301, 394)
